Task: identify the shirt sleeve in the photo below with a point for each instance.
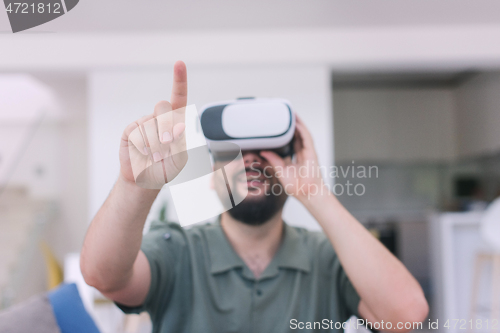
(159, 245)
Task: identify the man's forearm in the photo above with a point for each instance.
(114, 236)
(381, 280)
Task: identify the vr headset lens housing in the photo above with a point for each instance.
(252, 124)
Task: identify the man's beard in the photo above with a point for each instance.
(257, 211)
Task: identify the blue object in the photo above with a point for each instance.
(69, 311)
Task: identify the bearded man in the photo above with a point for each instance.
(249, 271)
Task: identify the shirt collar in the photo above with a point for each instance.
(221, 253)
(292, 253)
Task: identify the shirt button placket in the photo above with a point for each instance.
(256, 294)
(252, 310)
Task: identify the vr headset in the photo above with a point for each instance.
(251, 123)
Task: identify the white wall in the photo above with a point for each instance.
(478, 115)
(29, 111)
(119, 97)
(58, 149)
(67, 234)
(45, 146)
(394, 124)
(48, 159)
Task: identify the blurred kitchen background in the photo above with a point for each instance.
(409, 88)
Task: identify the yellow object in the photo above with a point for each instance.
(54, 270)
(375, 233)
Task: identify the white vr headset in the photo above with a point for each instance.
(251, 123)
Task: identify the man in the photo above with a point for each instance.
(250, 271)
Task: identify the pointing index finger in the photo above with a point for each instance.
(179, 88)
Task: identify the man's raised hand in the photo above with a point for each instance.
(153, 148)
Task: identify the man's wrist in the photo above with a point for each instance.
(134, 190)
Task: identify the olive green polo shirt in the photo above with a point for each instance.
(200, 284)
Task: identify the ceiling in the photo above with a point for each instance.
(172, 16)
